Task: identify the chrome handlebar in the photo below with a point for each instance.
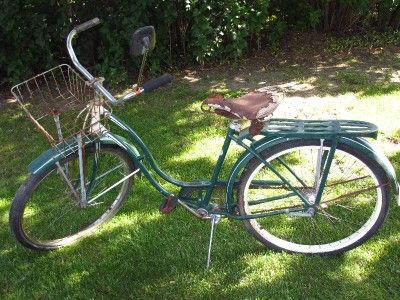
(96, 83)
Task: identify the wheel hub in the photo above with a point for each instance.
(311, 194)
(310, 212)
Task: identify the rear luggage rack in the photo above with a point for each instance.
(321, 129)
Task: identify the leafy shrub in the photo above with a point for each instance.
(32, 32)
(338, 15)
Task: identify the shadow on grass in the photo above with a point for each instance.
(144, 255)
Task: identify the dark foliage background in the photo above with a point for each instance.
(32, 32)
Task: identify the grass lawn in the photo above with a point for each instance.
(142, 254)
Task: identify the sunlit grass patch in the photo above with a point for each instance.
(264, 268)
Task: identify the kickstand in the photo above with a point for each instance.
(214, 221)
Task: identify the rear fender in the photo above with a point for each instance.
(376, 154)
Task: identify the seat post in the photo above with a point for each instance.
(228, 138)
(235, 125)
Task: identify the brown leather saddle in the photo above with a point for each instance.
(254, 106)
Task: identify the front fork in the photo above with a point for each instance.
(95, 111)
(80, 195)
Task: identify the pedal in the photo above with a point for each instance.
(168, 205)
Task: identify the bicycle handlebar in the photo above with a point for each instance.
(153, 84)
(87, 25)
(96, 84)
(147, 86)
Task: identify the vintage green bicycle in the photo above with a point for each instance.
(303, 186)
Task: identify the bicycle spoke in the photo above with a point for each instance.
(259, 201)
(356, 192)
(343, 206)
(345, 181)
(347, 209)
(98, 180)
(53, 218)
(328, 216)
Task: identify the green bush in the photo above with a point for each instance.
(338, 15)
(32, 32)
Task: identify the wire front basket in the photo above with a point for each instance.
(62, 105)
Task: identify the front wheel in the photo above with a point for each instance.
(353, 205)
(47, 213)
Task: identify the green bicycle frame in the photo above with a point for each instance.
(209, 185)
(50, 157)
(146, 156)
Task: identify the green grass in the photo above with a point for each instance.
(142, 254)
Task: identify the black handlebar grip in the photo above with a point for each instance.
(87, 25)
(153, 84)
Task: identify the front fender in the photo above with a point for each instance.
(48, 158)
(359, 144)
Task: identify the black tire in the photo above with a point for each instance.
(283, 232)
(51, 231)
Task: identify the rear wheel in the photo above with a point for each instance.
(45, 214)
(353, 205)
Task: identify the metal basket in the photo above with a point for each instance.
(60, 103)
